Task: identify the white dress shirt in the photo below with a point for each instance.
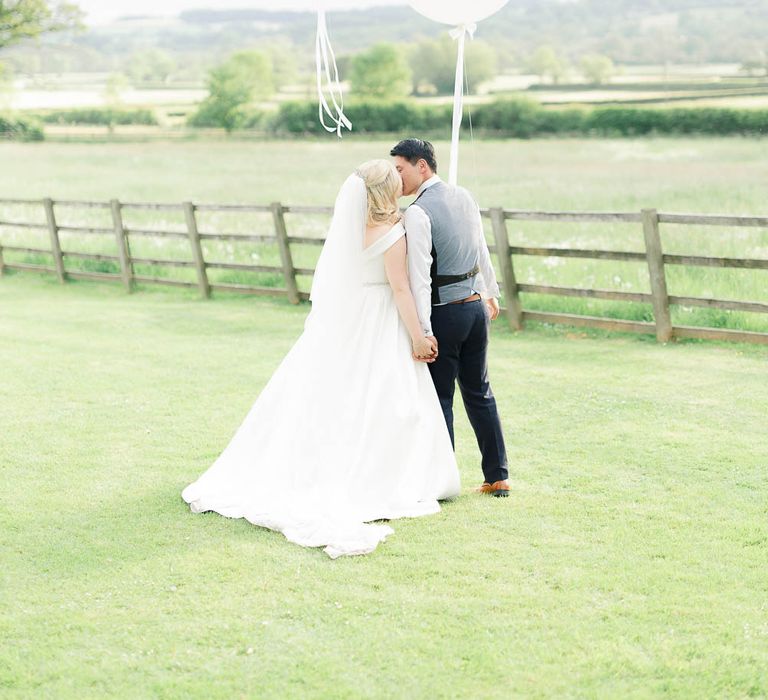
(418, 231)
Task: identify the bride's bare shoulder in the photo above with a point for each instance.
(376, 231)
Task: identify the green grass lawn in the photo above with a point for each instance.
(704, 174)
(629, 561)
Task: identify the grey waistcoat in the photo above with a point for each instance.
(451, 211)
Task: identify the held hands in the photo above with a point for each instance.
(492, 306)
(425, 349)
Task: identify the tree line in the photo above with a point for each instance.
(384, 71)
(503, 118)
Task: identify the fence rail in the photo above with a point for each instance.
(649, 220)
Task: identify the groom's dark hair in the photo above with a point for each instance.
(413, 150)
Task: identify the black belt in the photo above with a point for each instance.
(445, 280)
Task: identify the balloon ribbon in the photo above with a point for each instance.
(459, 33)
(326, 67)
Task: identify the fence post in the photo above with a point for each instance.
(655, 258)
(289, 271)
(509, 283)
(126, 267)
(197, 249)
(53, 230)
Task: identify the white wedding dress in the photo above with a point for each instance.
(349, 429)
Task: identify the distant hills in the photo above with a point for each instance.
(629, 31)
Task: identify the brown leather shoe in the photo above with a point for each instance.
(500, 489)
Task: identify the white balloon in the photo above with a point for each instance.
(457, 12)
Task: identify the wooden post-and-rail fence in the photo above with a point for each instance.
(649, 220)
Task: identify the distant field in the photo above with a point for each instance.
(720, 85)
(673, 175)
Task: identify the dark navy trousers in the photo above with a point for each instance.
(462, 336)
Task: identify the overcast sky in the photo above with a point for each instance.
(99, 11)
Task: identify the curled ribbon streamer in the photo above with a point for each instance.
(326, 61)
(459, 34)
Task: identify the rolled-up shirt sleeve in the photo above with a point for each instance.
(418, 233)
(485, 283)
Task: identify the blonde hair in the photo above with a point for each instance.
(382, 182)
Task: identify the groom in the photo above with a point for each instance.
(455, 289)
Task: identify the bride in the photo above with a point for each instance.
(349, 429)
